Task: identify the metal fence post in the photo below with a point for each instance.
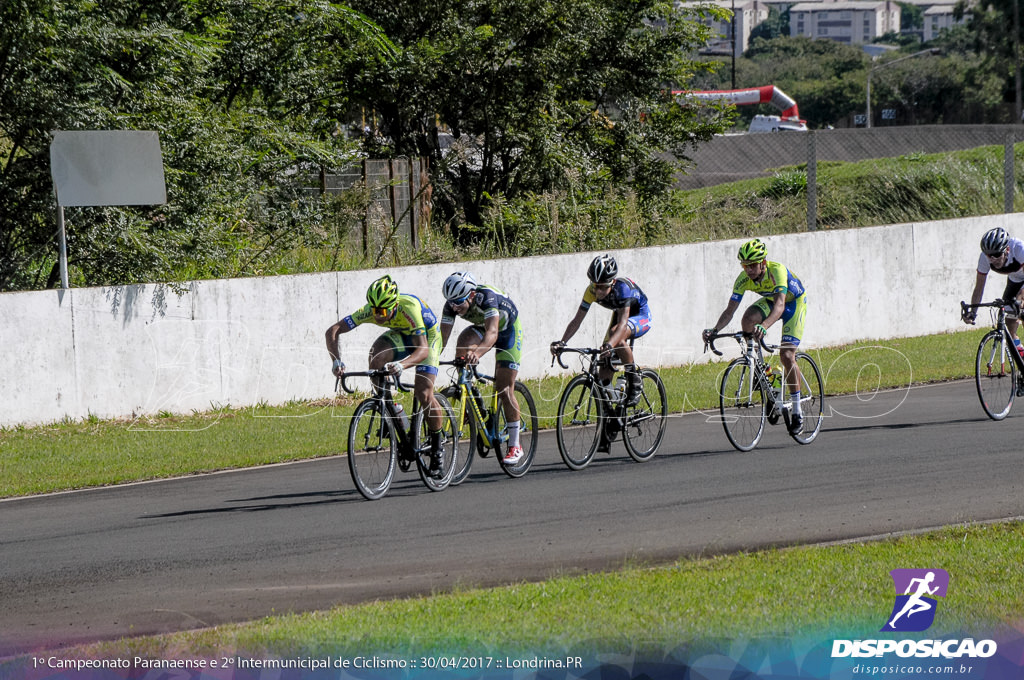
(1009, 185)
(812, 183)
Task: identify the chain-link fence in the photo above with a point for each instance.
(737, 157)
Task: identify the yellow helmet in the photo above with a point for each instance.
(383, 293)
(753, 250)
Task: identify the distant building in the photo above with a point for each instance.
(847, 21)
(938, 16)
(749, 13)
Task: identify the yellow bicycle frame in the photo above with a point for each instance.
(466, 397)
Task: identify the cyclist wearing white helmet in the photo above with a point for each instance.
(782, 298)
(494, 322)
(413, 339)
(631, 318)
(1003, 255)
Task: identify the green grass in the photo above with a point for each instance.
(804, 592)
(98, 453)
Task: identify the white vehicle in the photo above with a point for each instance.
(789, 115)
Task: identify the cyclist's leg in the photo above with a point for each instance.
(639, 324)
(508, 353)
(387, 347)
(755, 314)
(423, 388)
(469, 339)
(1013, 291)
(792, 330)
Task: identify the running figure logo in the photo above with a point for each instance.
(916, 589)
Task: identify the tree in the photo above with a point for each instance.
(544, 94)
(240, 95)
(998, 33)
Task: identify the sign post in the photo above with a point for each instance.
(104, 167)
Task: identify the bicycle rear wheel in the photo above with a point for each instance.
(580, 418)
(742, 405)
(812, 398)
(645, 423)
(372, 453)
(995, 373)
(528, 426)
(449, 445)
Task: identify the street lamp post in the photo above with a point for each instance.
(933, 50)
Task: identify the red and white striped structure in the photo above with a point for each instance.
(767, 94)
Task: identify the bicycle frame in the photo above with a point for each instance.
(383, 393)
(999, 324)
(469, 394)
(753, 355)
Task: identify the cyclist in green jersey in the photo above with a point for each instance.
(782, 298)
(413, 339)
(495, 324)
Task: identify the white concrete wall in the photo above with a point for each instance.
(115, 352)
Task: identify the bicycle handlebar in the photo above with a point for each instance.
(998, 302)
(375, 373)
(589, 351)
(460, 363)
(738, 336)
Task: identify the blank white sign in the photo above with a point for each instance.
(107, 167)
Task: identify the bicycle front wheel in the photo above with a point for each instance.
(742, 404)
(467, 437)
(995, 373)
(449, 445)
(372, 454)
(580, 418)
(528, 426)
(644, 425)
(812, 398)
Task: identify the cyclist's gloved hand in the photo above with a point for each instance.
(759, 331)
(471, 358)
(969, 316)
(557, 346)
(394, 367)
(606, 349)
(338, 368)
(708, 333)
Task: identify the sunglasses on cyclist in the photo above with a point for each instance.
(750, 263)
(459, 301)
(380, 311)
(995, 256)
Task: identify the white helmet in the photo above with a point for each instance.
(994, 241)
(458, 285)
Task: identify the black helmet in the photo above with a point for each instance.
(603, 269)
(994, 241)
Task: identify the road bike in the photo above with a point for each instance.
(998, 367)
(381, 438)
(592, 415)
(480, 421)
(753, 392)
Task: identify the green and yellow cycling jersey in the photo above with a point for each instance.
(777, 279)
(412, 317)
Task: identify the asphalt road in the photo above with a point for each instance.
(186, 553)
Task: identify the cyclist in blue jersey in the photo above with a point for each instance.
(494, 321)
(631, 318)
(782, 298)
(413, 339)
